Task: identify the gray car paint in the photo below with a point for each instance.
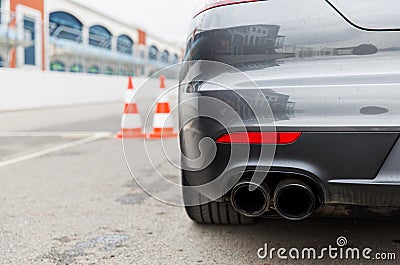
(337, 76)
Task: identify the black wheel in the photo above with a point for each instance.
(218, 213)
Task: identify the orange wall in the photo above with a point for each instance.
(34, 4)
(142, 37)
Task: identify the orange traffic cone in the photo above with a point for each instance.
(131, 124)
(162, 125)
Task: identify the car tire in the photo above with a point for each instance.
(217, 213)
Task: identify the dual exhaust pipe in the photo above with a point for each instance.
(293, 199)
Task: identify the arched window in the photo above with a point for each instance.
(176, 59)
(165, 56)
(109, 71)
(57, 66)
(99, 36)
(153, 53)
(1, 62)
(124, 44)
(65, 26)
(94, 69)
(76, 68)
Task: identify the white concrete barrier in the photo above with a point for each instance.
(25, 89)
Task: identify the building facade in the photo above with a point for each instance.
(61, 35)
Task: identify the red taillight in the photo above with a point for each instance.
(218, 3)
(260, 138)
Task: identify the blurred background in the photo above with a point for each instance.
(66, 195)
(61, 45)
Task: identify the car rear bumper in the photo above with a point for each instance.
(337, 84)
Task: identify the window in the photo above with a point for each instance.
(30, 52)
(153, 53)
(29, 27)
(176, 58)
(251, 40)
(76, 68)
(165, 56)
(238, 44)
(124, 44)
(99, 36)
(65, 26)
(94, 69)
(57, 66)
(109, 71)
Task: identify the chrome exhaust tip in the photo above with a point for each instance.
(249, 199)
(294, 200)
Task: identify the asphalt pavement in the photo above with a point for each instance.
(66, 197)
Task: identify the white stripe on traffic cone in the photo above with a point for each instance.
(162, 124)
(131, 124)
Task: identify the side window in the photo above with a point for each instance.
(94, 69)
(76, 68)
(176, 58)
(124, 44)
(153, 53)
(100, 37)
(29, 28)
(109, 71)
(165, 56)
(57, 66)
(65, 26)
(30, 51)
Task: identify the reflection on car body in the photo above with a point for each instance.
(335, 82)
